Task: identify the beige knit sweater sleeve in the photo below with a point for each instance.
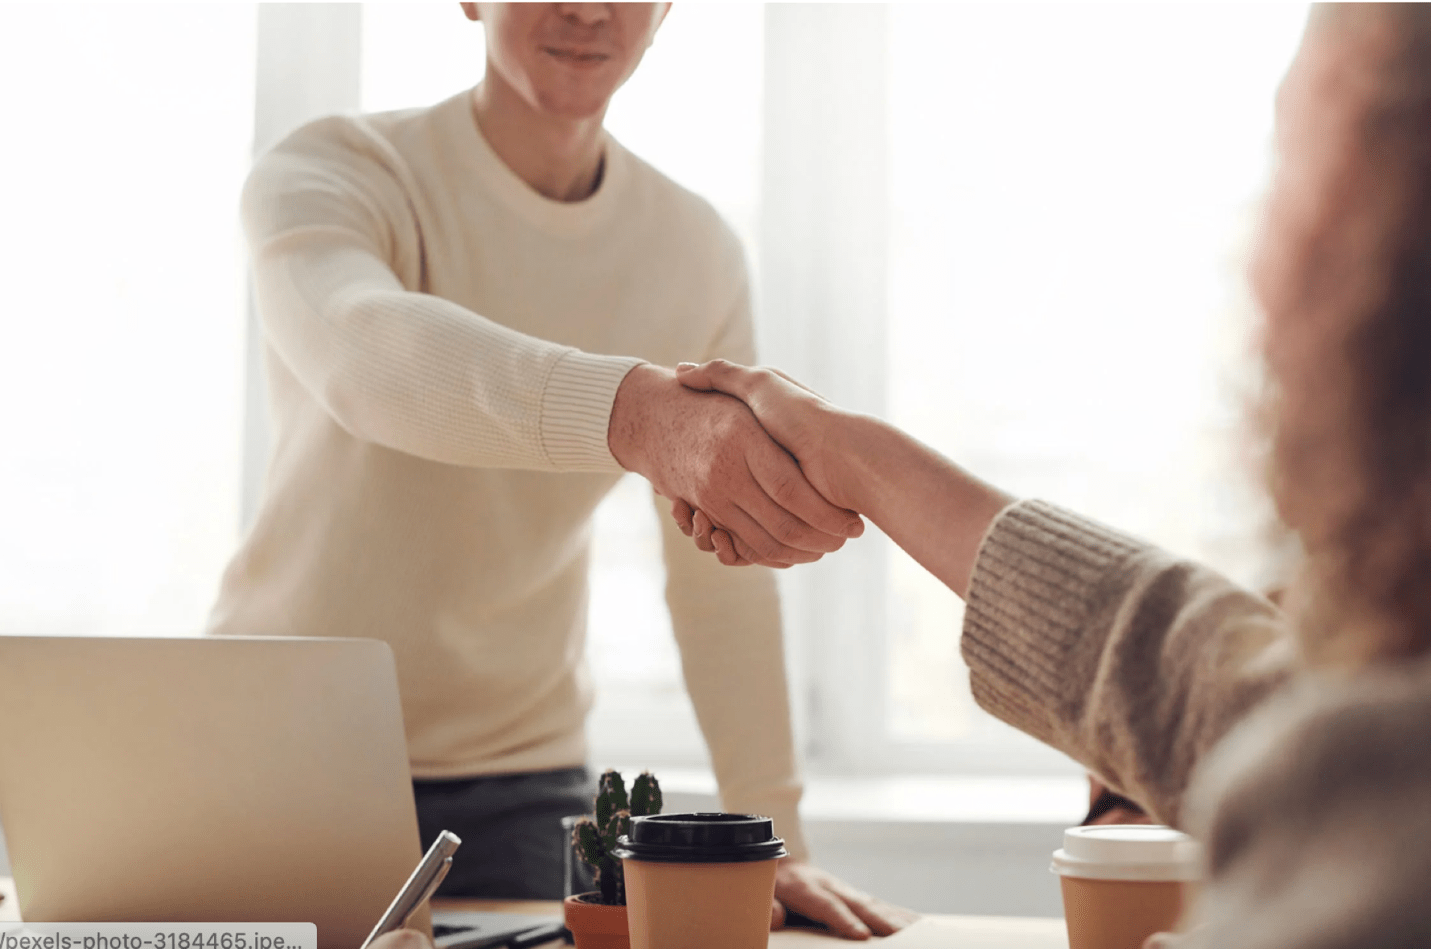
(1315, 810)
(337, 263)
(1126, 658)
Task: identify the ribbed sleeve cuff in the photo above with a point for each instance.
(787, 826)
(576, 410)
(786, 817)
(1040, 574)
(778, 800)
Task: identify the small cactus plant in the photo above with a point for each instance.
(594, 840)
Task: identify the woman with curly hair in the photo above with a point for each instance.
(1295, 743)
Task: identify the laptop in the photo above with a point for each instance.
(219, 779)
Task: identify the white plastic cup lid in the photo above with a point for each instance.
(1127, 852)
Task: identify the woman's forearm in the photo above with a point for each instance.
(933, 509)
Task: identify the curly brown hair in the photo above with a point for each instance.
(1349, 340)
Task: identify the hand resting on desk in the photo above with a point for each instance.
(821, 896)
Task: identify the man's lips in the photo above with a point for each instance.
(576, 57)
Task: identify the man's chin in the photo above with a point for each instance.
(575, 108)
(575, 96)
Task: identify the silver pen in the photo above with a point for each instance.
(419, 887)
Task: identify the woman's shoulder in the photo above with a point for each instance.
(1330, 735)
(1316, 814)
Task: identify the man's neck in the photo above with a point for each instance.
(560, 158)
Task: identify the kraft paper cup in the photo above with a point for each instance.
(1123, 882)
(700, 881)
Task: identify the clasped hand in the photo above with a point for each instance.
(706, 451)
(788, 412)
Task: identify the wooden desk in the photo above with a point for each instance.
(973, 932)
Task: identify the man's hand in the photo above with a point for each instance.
(794, 415)
(799, 419)
(708, 450)
(849, 913)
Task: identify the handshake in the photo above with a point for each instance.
(752, 461)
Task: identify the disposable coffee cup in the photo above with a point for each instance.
(700, 881)
(1123, 882)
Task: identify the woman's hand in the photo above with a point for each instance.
(933, 509)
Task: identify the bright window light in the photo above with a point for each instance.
(122, 364)
(1074, 189)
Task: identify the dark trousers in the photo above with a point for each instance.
(513, 846)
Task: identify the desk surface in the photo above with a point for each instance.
(968, 932)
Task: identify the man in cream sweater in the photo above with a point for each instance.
(465, 310)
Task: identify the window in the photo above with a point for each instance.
(1073, 191)
(1057, 202)
(121, 372)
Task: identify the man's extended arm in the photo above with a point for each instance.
(335, 251)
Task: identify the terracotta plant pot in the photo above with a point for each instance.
(595, 925)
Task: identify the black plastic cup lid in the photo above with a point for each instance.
(701, 838)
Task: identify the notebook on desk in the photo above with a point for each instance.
(215, 779)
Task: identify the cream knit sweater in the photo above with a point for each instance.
(443, 349)
(1312, 793)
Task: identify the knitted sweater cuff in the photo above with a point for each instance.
(784, 810)
(576, 410)
(1039, 576)
(787, 826)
